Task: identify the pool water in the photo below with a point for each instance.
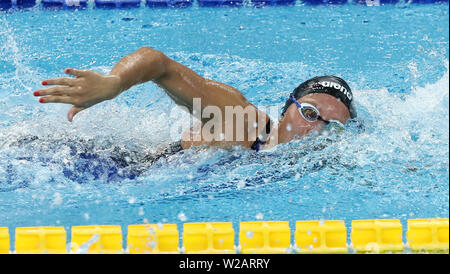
(395, 58)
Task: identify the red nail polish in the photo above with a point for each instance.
(68, 70)
(44, 83)
(36, 93)
(41, 100)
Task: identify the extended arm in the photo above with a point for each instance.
(180, 83)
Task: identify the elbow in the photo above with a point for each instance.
(156, 59)
(147, 51)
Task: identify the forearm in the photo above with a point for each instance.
(178, 81)
(143, 65)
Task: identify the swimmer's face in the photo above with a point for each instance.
(292, 123)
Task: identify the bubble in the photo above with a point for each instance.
(241, 184)
(288, 127)
(249, 234)
(259, 216)
(182, 217)
(57, 199)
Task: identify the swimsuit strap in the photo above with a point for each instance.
(257, 144)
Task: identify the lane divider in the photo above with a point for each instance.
(377, 236)
(208, 238)
(261, 237)
(153, 239)
(4, 240)
(82, 4)
(40, 240)
(264, 237)
(428, 235)
(321, 237)
(106, 239)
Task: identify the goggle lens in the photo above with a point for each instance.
(309, 114)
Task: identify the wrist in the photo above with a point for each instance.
(116, 85)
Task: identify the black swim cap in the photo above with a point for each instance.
(329, 84)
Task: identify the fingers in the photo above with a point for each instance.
(57, 99)
(73, 111)
(65, 81)
(77, 72)
(59, 81)
(60, 90)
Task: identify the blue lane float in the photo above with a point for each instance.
(5, 4)
(387, 2)
(429, 1)
(259, 3)
(117, 3)
(220, 3)
(326, 2)
(169, 3)
(64, 3)
(375, 2)
(21, 4)
(25, 3)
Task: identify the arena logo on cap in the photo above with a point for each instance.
(338, 87)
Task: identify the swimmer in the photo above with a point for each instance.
(315, 104)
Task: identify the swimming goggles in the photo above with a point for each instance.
(311, 114)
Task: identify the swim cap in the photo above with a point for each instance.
(329, 84)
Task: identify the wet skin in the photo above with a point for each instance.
(182, 85)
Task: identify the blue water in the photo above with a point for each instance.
(395, 58)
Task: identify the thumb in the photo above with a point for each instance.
(73, 111)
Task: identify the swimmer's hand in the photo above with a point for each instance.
(85, 90)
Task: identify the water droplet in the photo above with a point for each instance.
(57, 199)
(259, 216)
(289, 127)
(182, 217)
